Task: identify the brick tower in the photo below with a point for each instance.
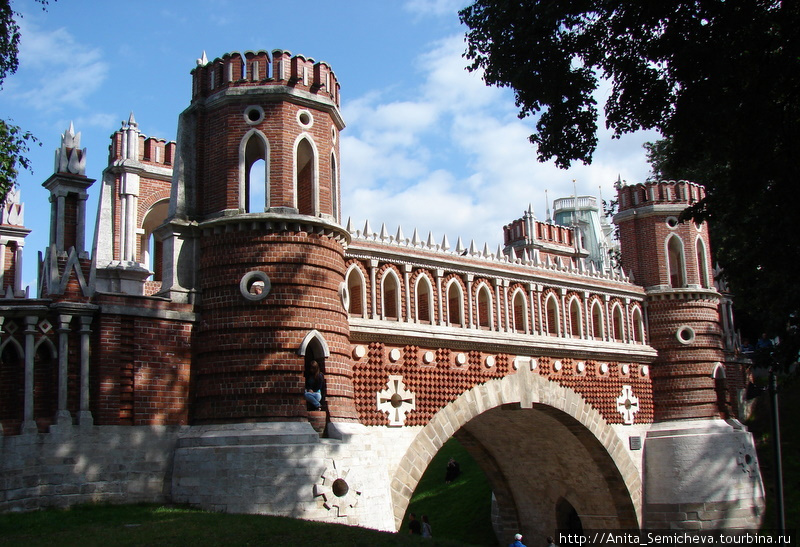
(254, 230)
(695, 427)
(682, 306)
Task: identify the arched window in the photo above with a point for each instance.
(597, 321)
(677, 270)
(12, 382)
(702, 263)
(390, 296)
(424, 300)
(254, 172)
(306, 178)
(638, 326)
(357, 292)
(151, 253)
(575, 323)
(520, 315)
(455, 305)
(484, 308)
(551, 308)
(45, 382)
(617, 325)
(334, 189)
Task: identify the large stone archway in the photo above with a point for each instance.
(540, 444)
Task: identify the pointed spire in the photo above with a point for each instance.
(486, 253)
(473, 249)
(500, 255)
(459, 246)
(349, 226)
(415, 241)
(384, 235)
(367, 229)
(132, 121)
(430, 243)
(399, 236)
(547, 205)
(445, 243)
(202, 61)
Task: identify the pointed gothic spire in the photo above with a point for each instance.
(430, 243)
(415, 241)
(460, 246)
(367, 229)
(445, 243)
(399, 236)
(384, 235)
(202, 61)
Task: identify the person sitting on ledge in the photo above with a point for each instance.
(315, 386)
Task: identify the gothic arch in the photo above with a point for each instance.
(357, 290)
(575, 317)
(529, 393)
(702, 263)
(391, 295)
(334, 188)
(484, 306)
(519, 311)
(306, 175)
(254, 146)
(311, 336)
(552, 317)
(637, 325)
(597, 320)
(151, 254)
(617, 322)
(423, 299)
(454, 302)
(676, 262)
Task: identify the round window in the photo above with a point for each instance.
(255, 286)
(304, 118)
(685, 335)
(253, 114)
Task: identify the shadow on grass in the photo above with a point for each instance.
(458, 511)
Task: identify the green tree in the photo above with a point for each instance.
(14, 142)
(720, 80)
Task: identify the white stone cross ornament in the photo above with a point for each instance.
(627, 405)
(396, 400)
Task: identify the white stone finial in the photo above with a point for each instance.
(445, 243)
(202, 61)
(367, 229)
(473, 249)
(500, 255)
(430, 243)
(415, 240)
(399, 236)
(349, 226)
(384, 235)
(132, 121)
(459, 246)
(69, 157)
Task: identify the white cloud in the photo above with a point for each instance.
(456, 159)
(56, 70)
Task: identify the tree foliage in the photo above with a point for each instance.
(719, 79)
(14, 142)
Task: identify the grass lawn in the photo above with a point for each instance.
(153, 525)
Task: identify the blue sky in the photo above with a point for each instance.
(427, 144)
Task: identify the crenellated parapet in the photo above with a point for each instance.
(674, 193)
(147, 150)
(259, 68)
